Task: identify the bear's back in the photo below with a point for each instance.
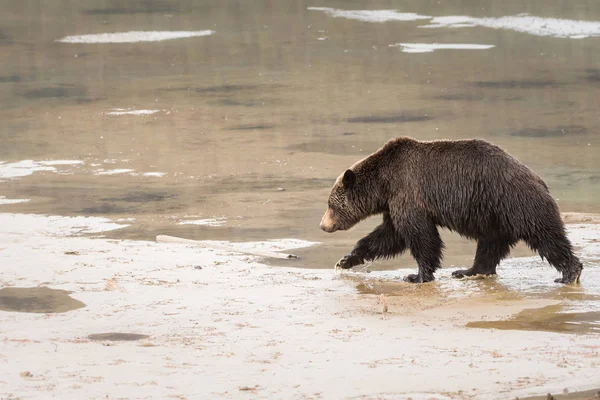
(470, 186)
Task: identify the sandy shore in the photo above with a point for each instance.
(226, 326)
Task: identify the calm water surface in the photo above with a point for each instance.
(255, 122)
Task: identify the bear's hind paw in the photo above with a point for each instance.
(416, 278)
(570, 277)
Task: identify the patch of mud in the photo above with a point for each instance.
(251, 127)
(106, 209)
(4, 38)
(37, 300)
(389, 119)
(88, 100)
(135, 7)
(141, 197)
(331, 147)
(475, 97)
(239, 103)
(266, 183)
(517, 84)
(559, 131)
(55, 92)
(9, 78)
(593, 75)
(229, 89)
(550, 319)
(117, 337)
(593, 394)
(460, 97)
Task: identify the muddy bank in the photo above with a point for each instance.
(252, 331)
(593, 394)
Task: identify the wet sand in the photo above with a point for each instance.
(254, 331)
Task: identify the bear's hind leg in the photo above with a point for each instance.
(487, 257)
(557, 250)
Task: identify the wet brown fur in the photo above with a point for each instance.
(468, 186)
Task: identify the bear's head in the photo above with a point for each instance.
(346, 204)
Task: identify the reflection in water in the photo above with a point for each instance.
(577, 307)
(547, 319)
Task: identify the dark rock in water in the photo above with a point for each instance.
(37, 300)
(117, 337)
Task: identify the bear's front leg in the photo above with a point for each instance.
(384, 241)
(425, 246)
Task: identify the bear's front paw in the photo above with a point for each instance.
(348, 261)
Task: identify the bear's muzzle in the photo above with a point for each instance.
(327, 222)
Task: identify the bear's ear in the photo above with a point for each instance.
(349, 179)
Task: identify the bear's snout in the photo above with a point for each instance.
(327, 223)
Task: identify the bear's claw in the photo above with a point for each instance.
(459, 274)
(348, 261)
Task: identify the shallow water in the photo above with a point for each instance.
(251, 124)
(37, 300)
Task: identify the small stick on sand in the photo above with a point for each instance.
(270, 254)
(384, 305)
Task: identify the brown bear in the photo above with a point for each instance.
(471, 187)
